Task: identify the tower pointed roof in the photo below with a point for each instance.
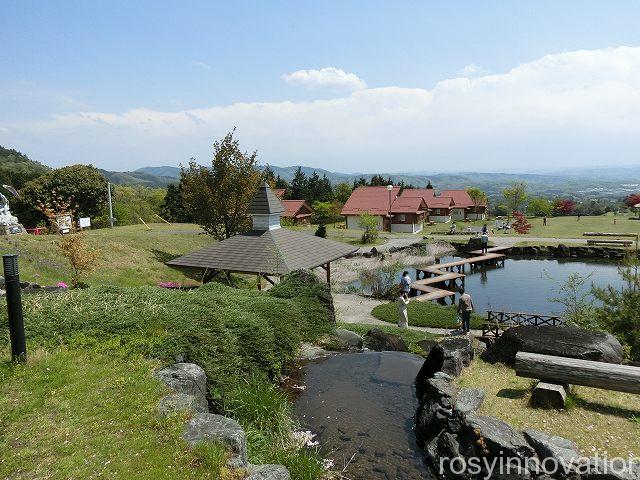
(265, 202)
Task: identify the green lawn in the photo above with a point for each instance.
(559, 227)
(412, 337)
(129, 256)
(424, 314)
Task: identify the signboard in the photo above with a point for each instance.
(85, 222)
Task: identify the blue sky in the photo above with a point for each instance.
(348, 86)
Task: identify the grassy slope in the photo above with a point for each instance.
(68, 414)
(600, 421)
(424, 314)
(129, 256)
(243, 339)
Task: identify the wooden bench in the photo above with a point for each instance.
(624, 243)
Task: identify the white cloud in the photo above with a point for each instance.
(471, 70)
(205, 66)
(580, 107)
(327, 77)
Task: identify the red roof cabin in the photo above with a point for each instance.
(448, 205)
(296, 212)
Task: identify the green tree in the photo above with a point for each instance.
(478, 197)
(515, 196)
(172, 208)
(298, 189)
(218, 197)
(539, 207)
(83, 187)
(16, 169)
(342, 192)
(577, 301)
(619, 310)
(268, 176)
(368, 223)
(322, 212)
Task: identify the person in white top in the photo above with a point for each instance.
(403, 316)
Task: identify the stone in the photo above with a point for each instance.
(450, 356)
(563, 251)
(308, 351)
(347, 339)
(268, 472)
(377, 340)
(469, 400)
(561, 450)
(601, 469)
(494, 438)
(549, 395)
(180, 402)
(561, 341)
(186, 378)
(210, 428)
(427, 345)
(474, 243)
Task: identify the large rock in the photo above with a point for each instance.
(210, 428)
(469, 400)
(268, 472)
(616, 469)
(187, 378)
(377, 340)
(450, 356)
(474, 243)
(560, 341)
(494, 438)
(346, 339)
(180, 402)
(562, 451)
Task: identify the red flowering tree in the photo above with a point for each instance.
(563, 206)
(520, 223)
(632, 200)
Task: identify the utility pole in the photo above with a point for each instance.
(110, 205)
(14, 308)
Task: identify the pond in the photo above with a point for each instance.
(528, 284)
(362, 407)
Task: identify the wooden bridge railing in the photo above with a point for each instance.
(497, 322)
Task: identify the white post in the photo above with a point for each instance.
(110, 205)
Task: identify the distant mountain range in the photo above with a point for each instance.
(612, 183)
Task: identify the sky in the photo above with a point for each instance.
(352, 86)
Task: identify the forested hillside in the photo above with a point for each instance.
(16, 168)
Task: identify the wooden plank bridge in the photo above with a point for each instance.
(441, 281)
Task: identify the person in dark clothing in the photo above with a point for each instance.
(465, 308)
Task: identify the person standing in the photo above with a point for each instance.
(485, 229)
(403, 316)
(484, 238)
(465, 307)
(405, 282)
(544, 221)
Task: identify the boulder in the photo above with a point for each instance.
(560, 341)
(346, 339)
(427, 345)
(469, 400)
(268, 472)
(187, 378)
(563, 251)
(209, 427)
(180, 402)
(549, 395)
(309, 351)
(494, 438)
(450, 356)
(564, 452)
(474, 243)
(377, 340)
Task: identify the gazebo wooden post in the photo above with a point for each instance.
(327, 268)
(259, 282)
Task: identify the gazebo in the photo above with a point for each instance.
(267, 250)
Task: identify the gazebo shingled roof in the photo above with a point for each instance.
(266, 251)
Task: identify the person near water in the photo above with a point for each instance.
(485, 229)
(485, 241)
(465, 307)
(544, 221)
(405, 282)
(403, 316)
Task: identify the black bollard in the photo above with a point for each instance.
(14, 308)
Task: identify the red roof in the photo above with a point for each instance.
(440, 202)
(461, 198)
(372, 200)
(296, 208)
(419, 192)
(408, 205)
(279, 192)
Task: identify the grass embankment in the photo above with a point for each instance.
(601, 422)
(411, 337)
(243, 339)
(557, 227)
(424, 314)
(128, 256)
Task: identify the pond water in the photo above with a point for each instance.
(528, 284)
(362, 407)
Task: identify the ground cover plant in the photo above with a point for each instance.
(424, 314)
(601, 422)
(243, 339)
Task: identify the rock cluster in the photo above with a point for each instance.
(189, 384)
(31, 287)
(560, 341)
(377, 340)
(560, 251)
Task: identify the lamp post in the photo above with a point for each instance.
(389, 189)
(14, 308)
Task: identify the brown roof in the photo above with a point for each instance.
(296, 208)
(461, 198)
(408, 205)
(439, 202)
(274, 252)
(418, 192)
(279, 192)
(265, 202)
(372, 200)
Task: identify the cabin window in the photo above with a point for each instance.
(402, 217)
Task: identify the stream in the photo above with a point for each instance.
(361, 406)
